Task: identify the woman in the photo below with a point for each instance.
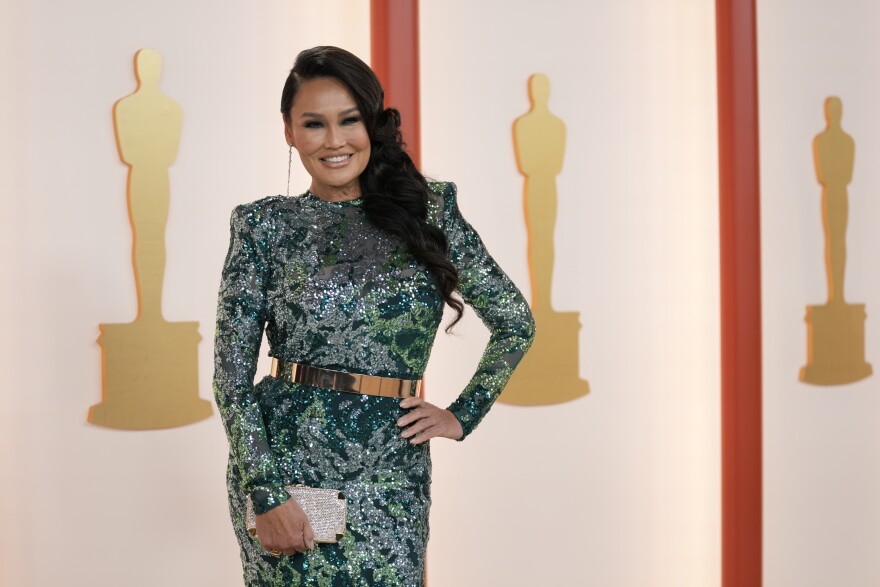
(351, 276)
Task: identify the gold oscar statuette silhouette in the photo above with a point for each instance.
(149, 366)
(836, 329)
(549, 372)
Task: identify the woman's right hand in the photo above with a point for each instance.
(285, 529)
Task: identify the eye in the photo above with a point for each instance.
(352, 120)
(313, 124)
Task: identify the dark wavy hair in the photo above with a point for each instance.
(394, 192)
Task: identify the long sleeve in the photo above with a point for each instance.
(241, 316)
(485, 287)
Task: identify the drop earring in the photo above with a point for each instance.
(289, 160)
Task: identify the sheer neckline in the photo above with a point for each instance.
(313, 196)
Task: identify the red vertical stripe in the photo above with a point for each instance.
(741, 541)
(394, 47)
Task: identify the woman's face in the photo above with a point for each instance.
(327, 130)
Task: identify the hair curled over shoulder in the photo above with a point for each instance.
(394, 192)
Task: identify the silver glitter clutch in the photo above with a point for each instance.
(325, 508)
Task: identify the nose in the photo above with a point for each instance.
(335, 137)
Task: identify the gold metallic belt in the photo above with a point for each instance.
(345, 382)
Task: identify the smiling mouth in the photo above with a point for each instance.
(336, 158)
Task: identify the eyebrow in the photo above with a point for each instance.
(316, 115)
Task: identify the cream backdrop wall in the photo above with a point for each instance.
(617, 489)
(620, 488)
(81, 505)
(821, 467)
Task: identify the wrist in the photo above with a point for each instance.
(268, 498)
(458, 421)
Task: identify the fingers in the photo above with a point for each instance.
(428, 421)
(285, 530)
(414, 415)
(300, 544)
(419, 426)
(291, 545)
(411, 402)
(309, 536)
(418, 408)
(299, 541)
(422, 422)
(427, 434)
(428, 424)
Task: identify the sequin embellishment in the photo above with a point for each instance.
(334, 291)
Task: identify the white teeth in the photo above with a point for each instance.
(336, 159)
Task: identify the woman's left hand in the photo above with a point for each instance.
(427, 421)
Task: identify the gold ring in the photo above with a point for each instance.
(275, 553)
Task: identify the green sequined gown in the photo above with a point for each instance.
(333, 291)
